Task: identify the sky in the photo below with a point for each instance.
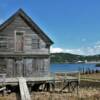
(73, 25)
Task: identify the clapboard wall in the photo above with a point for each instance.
(29, 61)
(19, 25)
(27, 67)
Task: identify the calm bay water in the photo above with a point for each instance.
(72, 67)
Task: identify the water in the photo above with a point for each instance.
(72, 67)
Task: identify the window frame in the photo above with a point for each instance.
(36, 43)
(3, 43)
(22, 32)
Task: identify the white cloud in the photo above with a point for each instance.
(56, 50)
(75, 51)
(59, 50)
(91, 50)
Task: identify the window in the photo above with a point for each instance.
(3, 43)
(35, 43)
(19, 41)
(2, 65)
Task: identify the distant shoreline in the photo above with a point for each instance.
(75, 63)
(68, 58)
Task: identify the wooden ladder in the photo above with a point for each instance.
(24, 92)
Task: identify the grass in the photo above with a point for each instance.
(88, 91)
(85, 94)
(95, 76)
(11, 96)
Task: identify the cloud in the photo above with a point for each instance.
(91, 50)
(73, 51)
(56, 50)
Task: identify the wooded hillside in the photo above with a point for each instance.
(72, 58)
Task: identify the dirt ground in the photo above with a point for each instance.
(84, 94)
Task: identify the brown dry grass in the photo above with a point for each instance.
(89, 92)
(92, 76)
(11, 96)
(85, 94)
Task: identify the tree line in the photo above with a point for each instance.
(72, 58)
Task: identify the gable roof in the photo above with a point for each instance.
(30, 22)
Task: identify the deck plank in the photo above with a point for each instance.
(37, 79)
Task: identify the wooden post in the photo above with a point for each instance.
(3, 83)
(53, 86)
(4, 77)
(79, 77)
(66, 75)
(78, 83)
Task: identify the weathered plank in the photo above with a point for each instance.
(24, 89)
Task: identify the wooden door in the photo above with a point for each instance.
(10, 67)
(19, 41)
(28, 70)
(19, 68)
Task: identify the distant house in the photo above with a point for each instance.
(24, 47)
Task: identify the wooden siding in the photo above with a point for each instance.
(30, 61)
(19, 25)
(28, 70)
(3, 65)
(10, 67)
(27, 67)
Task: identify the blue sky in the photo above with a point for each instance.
(73, 25)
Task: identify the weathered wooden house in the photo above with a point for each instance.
(24, 47)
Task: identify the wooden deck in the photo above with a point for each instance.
(30, 79)
(52, 77)
(70, 82)
(37, 79)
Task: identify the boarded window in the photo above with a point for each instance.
(40, 66)
(28, 71)
(19, 41)
(2, 65)
(35, 43)
(19, 68)
(3, 43)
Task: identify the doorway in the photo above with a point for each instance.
(19, 40)
(19, 68)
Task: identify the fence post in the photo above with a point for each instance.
(78, 84)
(79, 77)
(3, 76)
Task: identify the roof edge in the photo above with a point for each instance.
(32, 24)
